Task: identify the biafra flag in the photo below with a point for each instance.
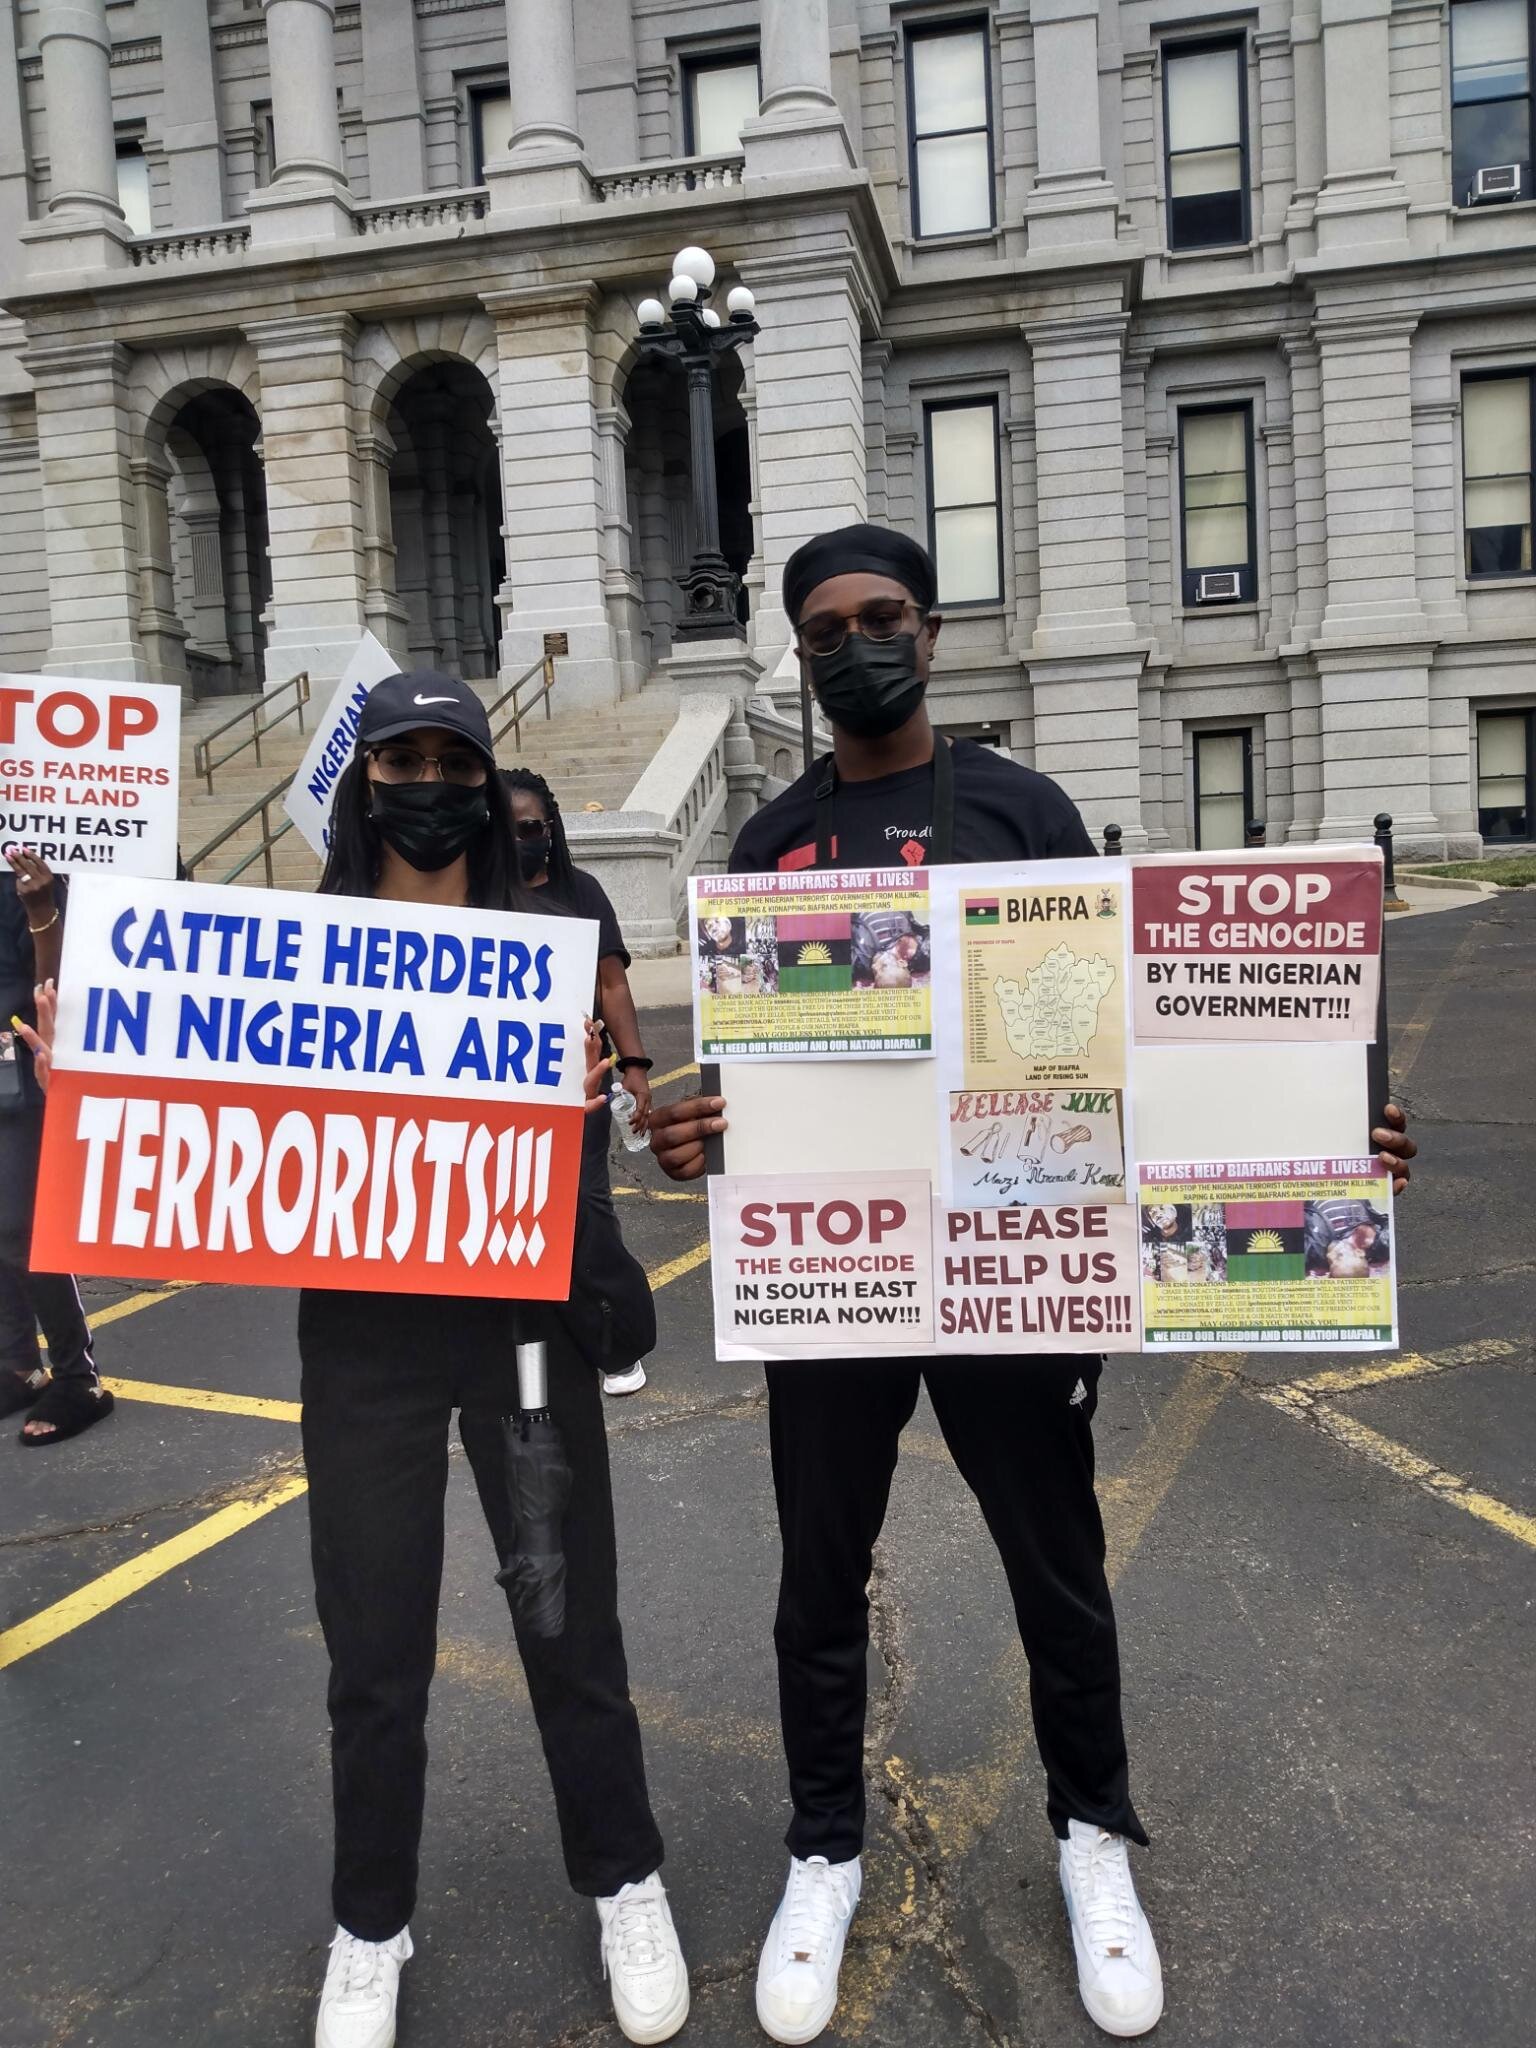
(1266, 1241)
(981, 910)
(815, 952)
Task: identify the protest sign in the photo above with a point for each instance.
(823, 1265)
(808, 966)
(1035, 1146)
(314, 1091)
(89, 773)
(313, 788)
(1267, 1254)
(1040, 1279)
(1256, 947)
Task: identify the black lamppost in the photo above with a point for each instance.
(696, 337)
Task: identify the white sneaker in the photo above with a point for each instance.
(643, 1961)
(630, 1381)
(797, 1973)
(362, 1985)
(1118, 1972)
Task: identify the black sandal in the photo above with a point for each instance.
(70, 1405)
(20, 1389)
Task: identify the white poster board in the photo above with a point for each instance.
(313, 788)
(90, 773)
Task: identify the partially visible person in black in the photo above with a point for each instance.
(71, 1397)
(893, 793)
(421, 817)
(544, 856)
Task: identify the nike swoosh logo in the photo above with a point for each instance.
(434, 700)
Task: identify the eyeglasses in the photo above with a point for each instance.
(825, 632)
(461, 765)
(531, 828)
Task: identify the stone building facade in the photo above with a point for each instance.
(1198, 339)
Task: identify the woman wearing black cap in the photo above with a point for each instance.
(420, 816)
(860, 602)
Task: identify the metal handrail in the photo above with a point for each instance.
(554, 643)
(263, 852)
(203, 762)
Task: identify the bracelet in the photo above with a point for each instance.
(37, 930)
(635, 1059)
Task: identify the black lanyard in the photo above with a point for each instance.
(942, 845)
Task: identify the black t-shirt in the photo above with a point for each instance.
(1002, 812)
(586, 897)
(18, 977)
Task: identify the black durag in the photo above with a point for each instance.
(874, 550)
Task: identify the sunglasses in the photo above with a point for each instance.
(459, 765)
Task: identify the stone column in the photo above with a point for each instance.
(13, 163)
(190, 134)
(307, 199)
(392, 109)
(552, 487)
(808, 367)
(610, 85)
(1085, 660)
(88, 509)
(385, 611)
(314, 494)
(84, 229)
(1073, 202)
(799, 126)
(621, 586)
(546, 165)
(1372, 654)
(163, 636)
(1362, 203)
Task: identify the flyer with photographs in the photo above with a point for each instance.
(1110, 1159)
(1250, 1255)
(811, 966)
(1042, 983)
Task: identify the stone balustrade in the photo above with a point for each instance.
(432, 211)
(688, 174)
(190, 245)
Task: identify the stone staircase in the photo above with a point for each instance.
(589, 758)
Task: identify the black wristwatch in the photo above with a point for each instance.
(635, 1059)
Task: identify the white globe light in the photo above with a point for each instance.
(710, 317)
(682, 291)
(695, 263)
(652, 313)
(740, 302)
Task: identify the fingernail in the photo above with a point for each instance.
(16, 1021)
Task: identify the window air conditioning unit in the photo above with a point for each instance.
(1220, 586)
(1496, 181)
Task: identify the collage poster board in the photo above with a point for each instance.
(1087, 1105)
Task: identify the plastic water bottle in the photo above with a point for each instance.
(623, 1105)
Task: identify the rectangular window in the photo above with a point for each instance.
(1490, 93)
(1205, 128)
(490, 121)
(133, 188)
(965, 528)
(1506, 765)
(949, 125)
(1216, 497)
(1496, 464)
(719, 94)
(1223, 788)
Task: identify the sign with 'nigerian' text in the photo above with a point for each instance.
(314, 1091)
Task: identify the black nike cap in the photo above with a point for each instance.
(422, 697)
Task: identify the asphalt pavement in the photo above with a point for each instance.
(1324, 1571)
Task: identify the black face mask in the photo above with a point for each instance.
(869, 687)
(532, 856)
(429, 824)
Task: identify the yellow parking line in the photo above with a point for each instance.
(674, 1269)
(114, 1312)
(662, 1194)
(1142, 1487)
(202, 1398)
(1412, 1365)
(677, 1074)
(127, 1579)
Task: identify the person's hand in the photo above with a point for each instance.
(598, 1070)
(678, 1131)
(34, 885)
(1396, 1148)
(40, 1042)
(638, 1082)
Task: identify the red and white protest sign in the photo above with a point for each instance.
(1257, 946)
(821, 1265)
(89, 773)
(314, 1091)
(1047, 1279)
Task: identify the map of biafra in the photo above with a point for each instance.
(1053, 1014)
